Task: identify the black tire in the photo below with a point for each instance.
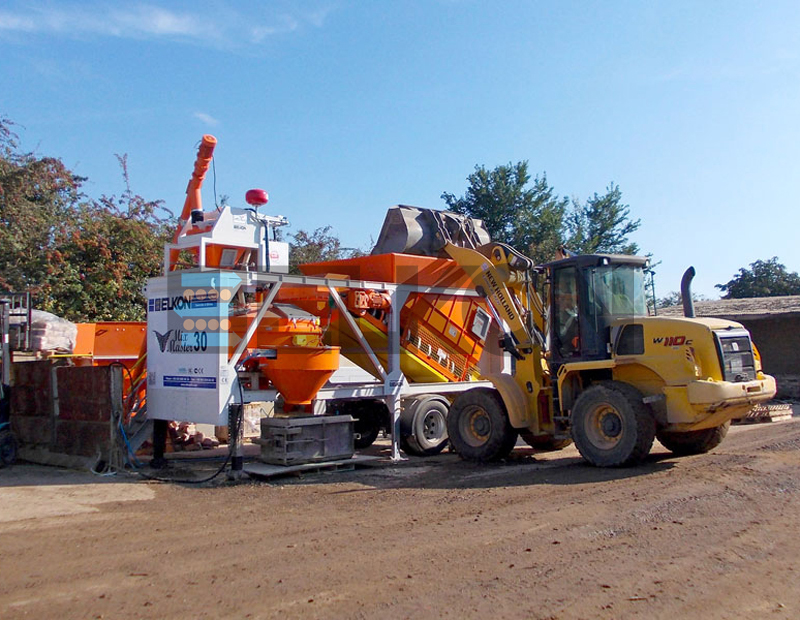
(544, 443)
(366, 429)
(369, 415)
(8, 448)
(611, 426)
(423, 425)
(693, 442)
(479, 427)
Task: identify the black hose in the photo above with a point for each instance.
(234, 424)
(212, 476)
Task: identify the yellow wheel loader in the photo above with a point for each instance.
(591, 366)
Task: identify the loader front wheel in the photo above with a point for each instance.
(479, 427)
(693, 442)
(611, 425)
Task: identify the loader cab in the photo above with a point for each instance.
(588, 293)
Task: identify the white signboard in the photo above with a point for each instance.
(188, 346)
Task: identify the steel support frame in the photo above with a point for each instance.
(394, 386)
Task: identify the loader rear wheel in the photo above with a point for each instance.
(693, 442)
(544, 443)
(611, 425)
(423, 425)
(479, 427)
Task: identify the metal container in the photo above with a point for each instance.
(307, 439)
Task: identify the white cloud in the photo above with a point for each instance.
(317, 18)
(206, 118)
(133, 22)
(222, 25)
(18, 23)
(153, 20)
(284, 23)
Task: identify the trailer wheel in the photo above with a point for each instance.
(423, 425)
(366, 427)
(693, 442)
(611, 426)
(369, 417)
(544, 443)
(8, 448)
(479, 427)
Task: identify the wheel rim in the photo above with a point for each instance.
(475, 426)
(433, 426)
(604, 426)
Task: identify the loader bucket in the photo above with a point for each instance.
(424, 232)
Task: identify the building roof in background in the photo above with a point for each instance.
(751, 307)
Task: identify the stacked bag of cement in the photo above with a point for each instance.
(52, 333)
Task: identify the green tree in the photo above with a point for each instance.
(317, 246)
(536, 221)
(529, 219)
(82, 259)
(674, 298)
(37, 199)
(602, 225)
(765, 278)
(112, 247)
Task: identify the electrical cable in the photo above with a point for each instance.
(214, 175)
(132, 460)
(108, 471)
(234, 424)
(115, 461)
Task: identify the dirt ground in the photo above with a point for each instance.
(541, 536)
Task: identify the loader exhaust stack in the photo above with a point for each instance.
(686, 292)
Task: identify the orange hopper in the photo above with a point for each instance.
(298, 373)
(288, 351)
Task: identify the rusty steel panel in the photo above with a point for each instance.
(31, 392)
(86, 394)
(71, 417)
(81, 438)
(32, 431)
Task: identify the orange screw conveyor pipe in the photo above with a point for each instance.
(194, 199)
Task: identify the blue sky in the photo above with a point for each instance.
(343, 108)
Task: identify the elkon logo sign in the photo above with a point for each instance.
(162, 304)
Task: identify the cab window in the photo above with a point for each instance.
(566, 324)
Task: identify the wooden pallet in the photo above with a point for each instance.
(266, 471)
(774, 412)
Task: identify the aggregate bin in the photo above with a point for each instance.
(306, 439)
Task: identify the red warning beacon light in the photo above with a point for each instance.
(256, 197)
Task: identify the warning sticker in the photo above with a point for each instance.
(182, 381)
